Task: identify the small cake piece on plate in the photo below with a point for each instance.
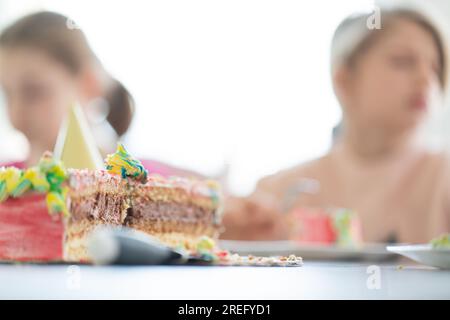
(340, 227)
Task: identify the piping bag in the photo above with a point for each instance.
(125, 246)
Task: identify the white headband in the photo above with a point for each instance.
(347, 37)
(354, 30)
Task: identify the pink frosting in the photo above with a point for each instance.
(159, 168)
(17, 164)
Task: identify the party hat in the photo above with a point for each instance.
(75, 145)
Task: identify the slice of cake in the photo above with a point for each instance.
(340, 227)
(177, 211)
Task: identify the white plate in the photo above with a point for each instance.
(425, 254)
(368, 252)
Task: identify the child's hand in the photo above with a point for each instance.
(254, 218)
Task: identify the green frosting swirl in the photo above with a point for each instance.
(47, 177)
(123, 164)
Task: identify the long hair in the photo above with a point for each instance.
(52, 33)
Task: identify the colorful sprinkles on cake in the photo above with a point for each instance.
(214, 189)
(123, 164)
(47, 177)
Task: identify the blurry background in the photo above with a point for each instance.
(237, 86)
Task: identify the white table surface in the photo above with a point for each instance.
(314, 280)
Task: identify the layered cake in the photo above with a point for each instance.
(47, 210)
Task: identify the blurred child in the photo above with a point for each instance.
(46, 64)
(386, 82)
